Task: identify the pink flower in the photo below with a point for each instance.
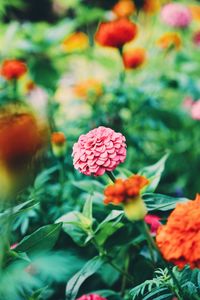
(176, 15)
(188, 102)
(196, 38)
(154, 222)
(195, 110)
(91, 297)
(100, 150)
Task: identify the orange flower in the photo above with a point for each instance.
(195, 11)
(124, 190)
(134, 58)
(151, 6)
(178, 240)
(116, 33)
(13, 69)
(58, 138)
(30, 85)
(88, 86)
(77, 41)
(169, 40)
(124, 8)
(22, 136)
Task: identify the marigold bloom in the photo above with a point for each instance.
(134, 58)
(116, 33)
(77, 41)
(195, 11)
(100, 150)
(13, 69)
(87, 87)
(169, 40)
(123, 190)
(178, 240)
(22, 136)
(91, 297)
(176, 15)
(124, 8)
(154, 222)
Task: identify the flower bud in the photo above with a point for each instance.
(58, 144)
(135, 209)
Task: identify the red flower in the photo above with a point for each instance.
(134, 58)
(91, 297)
(116, 33)
(154, 222)
(13, 69)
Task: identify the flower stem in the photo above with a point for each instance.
(111, 176)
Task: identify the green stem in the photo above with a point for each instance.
(149, 242)
(179, 292)
(61, 180)
(111, 176)
(15, 89)
(124, 279)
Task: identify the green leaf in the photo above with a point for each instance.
(42, 239)
(87, 209)
(77, 280)
(161, 202)
(153, 173)
(18, 209)
(89, 186)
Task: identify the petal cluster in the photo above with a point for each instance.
(77, 41)
(178, 240)
(100, 150)
(13, 69)
(91, 297)
(125, 189)
(124, 8)
(116, 33)
(169, 40)
(176, 15)
(134, 58)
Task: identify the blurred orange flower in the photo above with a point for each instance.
(116, 33)
(87, 87)
(123, 190)
(134, 58)
(22, 137)
(58, 144)
(169, 40)
(13, 69)
(195, 11)
(151, 6)
(77, 41)
(58, 138)
(178, 240)
(124, 8)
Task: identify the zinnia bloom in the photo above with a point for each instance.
(90, 86)
(169, 40)
(176, 15)
(195, 110)
(58, 143)
(127, 192)
(100, 150)
(116, 33)
(124, 8)
(13, 69)
(22, 137)
(134, 58)
(195, 11)
(91, 297)
(77, 41)
(154, 222)
(178, 240)
(196, 38)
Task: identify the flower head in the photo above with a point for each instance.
(91, 297)
(90, 86)
(58, 143)
(134, 58)
(195, 11)
(13, 69)
(169, 40)
(77, 41)
(22, 137)
(124, 8)
(176, 15)
(196, 38)
(151, 6)
(100, 150)
(178, 240)
(154, 222)
(123, 190)
(195, 110)
(116, 33)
